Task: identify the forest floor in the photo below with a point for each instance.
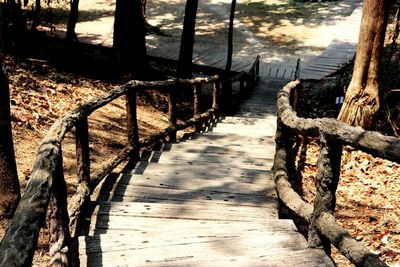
(368, 203)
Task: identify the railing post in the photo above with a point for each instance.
(326, 182)
(132, 124)
(172, 112)
(82, 150)
(58, 219)
(196, 108)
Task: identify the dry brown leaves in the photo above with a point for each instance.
(368, 203)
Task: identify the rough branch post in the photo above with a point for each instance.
(326, 182)
(172, 112)
(196, 107)
(58, 219)
(132, 124)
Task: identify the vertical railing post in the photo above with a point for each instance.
(82, 150)
(172, 112)
(58, 218)
(215, 99)
(132, 124)
(257, 67)
(326, 182)
(196, 107)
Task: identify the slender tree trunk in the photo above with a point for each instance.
(9, 184)
(143, 3)
(362, 97)
(187, 40)
(36, 18)
(72, 20)
(129, 36)
(230, 37)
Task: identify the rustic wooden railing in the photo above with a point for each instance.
(323, 229)
(46, 190)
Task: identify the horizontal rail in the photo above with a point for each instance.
(332, 134)
(19, 242)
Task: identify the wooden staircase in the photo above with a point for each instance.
(207, 201)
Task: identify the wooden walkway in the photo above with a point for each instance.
(207, 201)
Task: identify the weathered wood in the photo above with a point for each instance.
(114, 224)
(326, 182)
(196, 105)
(172, 113)
(215, 95)
(325, 222)
(374, 143)
(58, 219)
(132, 124)
(82, 150)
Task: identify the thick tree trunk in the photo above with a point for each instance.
(230, 37)
(187, 40)
(72, 20)
(129, 36)
(9, 184)
(362, 97)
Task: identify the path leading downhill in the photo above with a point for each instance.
(208, 201)
(211, 200)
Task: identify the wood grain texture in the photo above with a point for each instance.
(206, 201)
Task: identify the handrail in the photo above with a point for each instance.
(323, 228)
(47, 185)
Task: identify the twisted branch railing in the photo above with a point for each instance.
(47, 185)
(323, 229)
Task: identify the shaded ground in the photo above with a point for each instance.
(279, 30)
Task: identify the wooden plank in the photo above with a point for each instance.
(202, 195)
(149, 241)
(241, 184)
(251, 251)
(187, 211)
(214, 170)
(186, 180)
(186, 147)
(116, 224)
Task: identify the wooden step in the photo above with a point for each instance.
(157, 194)
(116, 224)
(136, 211)
(239, 183)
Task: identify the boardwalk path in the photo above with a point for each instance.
(209, 201)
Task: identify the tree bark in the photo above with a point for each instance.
(129, 36)
(187, 40)
(362, 97)
(9, 183)
(72, 20)
(230, 37)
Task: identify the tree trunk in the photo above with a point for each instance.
(362, 97)
(9, 184)
(143, 3)
(187, 40)
(129, 36)
(230, 38)
(72, 20)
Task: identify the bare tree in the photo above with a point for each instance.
(9, 184)
(362, 97)
(187, 40)
(129, 35)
